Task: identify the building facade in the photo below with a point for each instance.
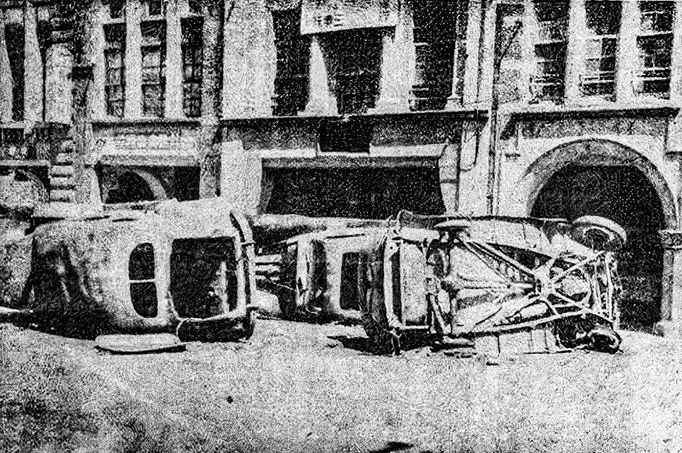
(360, 108)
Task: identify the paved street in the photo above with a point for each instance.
(304, 387)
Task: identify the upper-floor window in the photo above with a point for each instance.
(154, 7)
(114, 65)
(192, 57)
(603, 24)
(141, 275)
(117, 9)
(14, 39)
(548, 80)
(153, 67)
(356, 67)
(293, 52)
(439, 40)
(654, 44)
(194, 6)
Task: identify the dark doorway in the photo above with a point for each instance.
(622, 194)
(361, 193)
(131, 187)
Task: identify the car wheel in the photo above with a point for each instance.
(604, 339)
(598, 232)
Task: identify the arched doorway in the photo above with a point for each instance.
(132, 186)
(624, 194)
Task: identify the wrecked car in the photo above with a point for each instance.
(315, 275)
(486, 277)
(183, 268)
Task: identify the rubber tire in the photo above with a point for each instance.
(618, 235)
(604, 339)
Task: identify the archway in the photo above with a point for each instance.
(616, 184)
(135, 185)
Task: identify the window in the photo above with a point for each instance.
(195, 7)
(14, 36)
(114, 54)
(603, 25)
(439, 40)
(357, 68)
(293, 51)
(153, 71)
(203, 277)
(142, 280)
(192, 57)
(550, 50)
(117, 9)
(154, 7)
(351, 275)
(654, 44)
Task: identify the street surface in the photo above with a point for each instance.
(304, 387)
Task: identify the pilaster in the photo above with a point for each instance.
(398, 61)
(133, 60)
(6, 96)
(173, 101)
(676, 67)
(473, 48)
(211, 67)
(321, 99)
(58, 83)
(671, 292)
(575, 57)
(33, 67)
(627, 57)
(241, 173)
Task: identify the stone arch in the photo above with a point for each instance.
(113, 190)
(596, 152)
(601, 177)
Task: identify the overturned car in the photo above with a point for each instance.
(490, 276)
(452, 277)
(183, 268)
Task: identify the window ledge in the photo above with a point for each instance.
(114, 122)
(476, 113)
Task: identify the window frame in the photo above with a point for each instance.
(144, 282)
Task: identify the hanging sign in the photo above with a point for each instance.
(323, 16)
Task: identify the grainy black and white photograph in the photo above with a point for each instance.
(369, 226)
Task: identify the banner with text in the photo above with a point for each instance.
(322, 16)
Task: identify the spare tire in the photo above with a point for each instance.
(599, 233)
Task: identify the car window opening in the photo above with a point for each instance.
(203, 277)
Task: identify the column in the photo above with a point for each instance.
(575, 58)
(58, 85)
(473, 43)
(173, 101)
(528, 39)
(210, 10)
(627, 57)
(671, 292)
(33, 67)
(240, 176)
(6, 95)
(321, 100)
(448, 169)
(133, 60)
(398, 61)
(487, 52)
